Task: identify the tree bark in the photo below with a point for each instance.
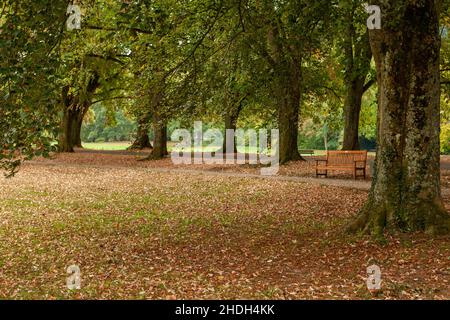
(66, 137)
(160, 138)
(358, 56)
(80, 114)
(352, 111)
(142, 140)
(288, 113)
(233, 110)
(73, 114)
(72, 121)
(230, 124)
(406, 191)
(287, 64)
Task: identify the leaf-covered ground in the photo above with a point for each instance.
(132, 159)
(138, 234)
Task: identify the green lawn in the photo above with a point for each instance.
(120, 146)
(106, 145)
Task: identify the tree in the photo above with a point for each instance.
(166, 40)
(142, 140)
(357, 56)
(406, 192)
(92, 69)
(231, 84)
(30, 33)
(285, 34)
(75, 105)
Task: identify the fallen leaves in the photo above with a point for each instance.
(138, 234)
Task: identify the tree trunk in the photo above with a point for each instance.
(406, 192)
(142, 140)
(358, 56)
(160, 138)
(80, 114)
(230, 124)
(233, 110)
(352, 111)
(66, 137)
(77, 136)
(288, 72)
(70, 136)
(74, 111)
(288, 114)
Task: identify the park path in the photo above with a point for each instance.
(350, 184)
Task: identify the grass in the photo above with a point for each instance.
(107, 146)
(121, 146)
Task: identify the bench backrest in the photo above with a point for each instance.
(346, 157)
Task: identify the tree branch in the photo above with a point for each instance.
(369, 84)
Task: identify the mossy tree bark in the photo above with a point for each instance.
(406, 192)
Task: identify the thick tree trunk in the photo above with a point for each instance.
(406, 192)
(70, 136)
(73, 114)
(352, 111)
(288, 72)
(142, 140)
(66, 137)
(160, 139)
(288, 116)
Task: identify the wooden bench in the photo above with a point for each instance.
(308, 152)
(354, 161)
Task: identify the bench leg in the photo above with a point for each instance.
(363, 175)
(321, 174)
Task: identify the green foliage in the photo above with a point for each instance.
(445, 125)
(184, 60)
(368, 116)
(30, 32)
(105, 129)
